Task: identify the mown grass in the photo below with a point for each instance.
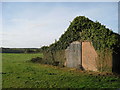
(19, 73)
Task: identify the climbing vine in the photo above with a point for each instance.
(82, 28)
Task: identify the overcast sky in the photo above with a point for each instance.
(28, 24)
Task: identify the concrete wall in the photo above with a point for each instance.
(81, 54)
(104, 61)
(73, 55)
(56, 58)
(89, 56)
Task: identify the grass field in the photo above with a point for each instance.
(19, 73)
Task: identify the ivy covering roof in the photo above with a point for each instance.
(82, 29)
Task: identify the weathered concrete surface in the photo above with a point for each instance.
(89, 56)
(73, 55)
(81, 54)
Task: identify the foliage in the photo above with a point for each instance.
(12, 50)
(20, 50)
(56, 58)
(81, 28)
(36, 60)
(43, 48)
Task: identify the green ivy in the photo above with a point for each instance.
(82, 28)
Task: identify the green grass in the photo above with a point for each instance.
(19, 73)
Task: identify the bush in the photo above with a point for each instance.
(55, 63)
(36, 60)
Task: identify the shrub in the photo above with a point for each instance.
(36, 60)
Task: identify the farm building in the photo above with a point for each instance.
(86, 45)
(82, 55)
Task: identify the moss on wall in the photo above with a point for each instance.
(104, 61)
(56, 58)
(80, 29)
